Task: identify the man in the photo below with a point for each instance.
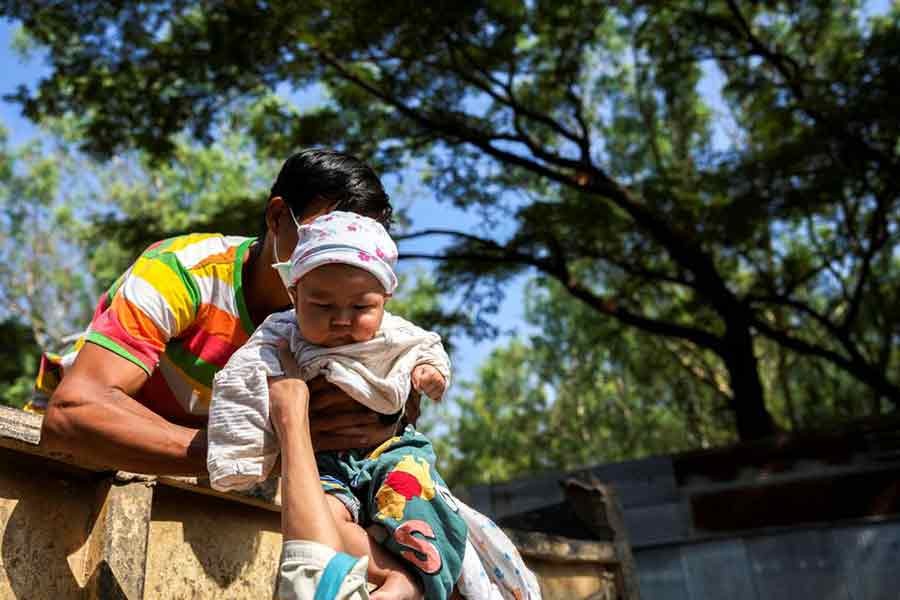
(136, 396)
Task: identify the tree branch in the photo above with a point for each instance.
(877, 238)
(536, 149)
(511, 99)
(588, 178)
(454, 131)
(837, 331)
(860, 370)
(779, 61)
(602, 305)
(448, 232)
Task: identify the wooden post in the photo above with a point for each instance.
(597, 506)
(626, 575)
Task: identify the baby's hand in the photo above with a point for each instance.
(429, 380)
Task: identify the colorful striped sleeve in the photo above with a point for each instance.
(156, 300)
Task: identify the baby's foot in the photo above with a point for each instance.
(398, 586)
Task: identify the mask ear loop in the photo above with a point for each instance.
(275, 236)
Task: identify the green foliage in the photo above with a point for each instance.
(746, 236)
(583, 392)
(42, 284)
(220, 187)
(579, 393)
(19, 357)
(419, 301)
(70, 225)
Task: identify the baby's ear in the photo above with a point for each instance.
(387, 297)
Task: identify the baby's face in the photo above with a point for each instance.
(337, 304)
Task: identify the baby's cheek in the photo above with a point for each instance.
(312, 327)
(368, 326)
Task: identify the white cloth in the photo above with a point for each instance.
(377, 373)
(510, 578)
(302, 564)
(474, 581)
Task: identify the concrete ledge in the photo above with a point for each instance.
(21, 431)
(18, 425)
(553, 548)
(69, 530)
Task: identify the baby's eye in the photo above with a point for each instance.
(362, 306)
(321, 304)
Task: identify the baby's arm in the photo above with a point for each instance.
(431, 374)
(429, 381)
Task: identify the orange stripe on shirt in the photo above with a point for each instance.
(220, 335)
(223, 258)
(136, 323)
(221, 324)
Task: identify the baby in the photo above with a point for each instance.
(340, 276)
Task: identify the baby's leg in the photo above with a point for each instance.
(420, 520)
(385, 570)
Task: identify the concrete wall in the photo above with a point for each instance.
(70, 532)
(840, 562)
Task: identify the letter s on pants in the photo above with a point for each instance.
(403, 535)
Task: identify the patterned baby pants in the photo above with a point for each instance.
(395, 493)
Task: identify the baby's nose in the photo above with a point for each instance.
(342, 317)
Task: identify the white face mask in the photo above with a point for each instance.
(284, 267)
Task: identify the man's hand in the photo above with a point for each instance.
(288, 404)
(338, 422)
(429, 381)
(93, 416)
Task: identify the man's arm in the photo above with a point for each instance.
(93, 416)
(304, 512)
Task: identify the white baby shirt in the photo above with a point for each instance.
(377, 373)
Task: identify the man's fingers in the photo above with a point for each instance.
(433, 387)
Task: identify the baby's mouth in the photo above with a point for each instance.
(341, 339)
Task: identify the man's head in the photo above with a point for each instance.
(316, 181)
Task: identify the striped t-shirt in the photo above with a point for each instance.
(179, 314)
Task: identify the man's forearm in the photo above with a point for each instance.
(115, 431)
(304, 513)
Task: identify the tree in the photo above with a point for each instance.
(579, 391)
(583, 126)
(44, 296)
(19, 355)
(41, 286)
(219, 187)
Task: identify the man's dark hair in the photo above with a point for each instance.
(349, 183)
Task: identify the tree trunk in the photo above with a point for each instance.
(752, 419)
